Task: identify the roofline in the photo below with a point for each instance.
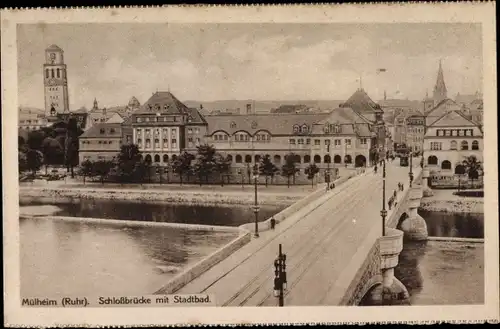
(445, 114)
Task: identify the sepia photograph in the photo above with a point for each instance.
(261, 164)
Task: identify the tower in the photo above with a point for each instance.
(95, 107)
(55, 82)
(440, 87)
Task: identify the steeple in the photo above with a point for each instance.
(95, 107)
(440, 91)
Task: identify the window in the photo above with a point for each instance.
(197, 130)
(436, 146)
(139, 141)
(174, 142)
(139, 119)
(292, 141)
(317, 159)
(248, 158)
(148, 143)
(198, 140)
(147, 119)
(327, 159)
(101, 130)
(432, 160)
(47, 73)
(190, 131)
(300, 141)
(112, 130)
(447, 132)
(348, 143)
(165, 143)
(308, 141)
(296, 129)
(438, 132)
(148, 132)
(52, 73)
(58, 72)
(317, 142)
(446, 165)
(362, 141)
(238, 158)
(157, 143)
(327, 142)
(304, 129)
(174, 132)
(337, 142)
(453, 145)
(475, 145)
(464, 146)
(307, 158)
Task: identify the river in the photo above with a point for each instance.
(79, 255)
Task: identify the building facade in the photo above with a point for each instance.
(55, 82)
(163, 127)
(31, 119)
(449, 141)
(101, 142)
(415, 132)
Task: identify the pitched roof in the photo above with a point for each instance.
(466, 99)
(54, 47)
(276, 124)
(344, 115)
(362, 103)
(195, 116)
(110, 130)
(453, 119)
(163, 102)
(134, 102)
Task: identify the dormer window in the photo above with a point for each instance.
(165, 107)
(101, 130)
(304, 129)
(112, 130)
(296, 129)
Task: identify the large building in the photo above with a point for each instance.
(100, 142)
(415, 131)
(163, 127)
(55, 82)
(449, 140)
(31, 119)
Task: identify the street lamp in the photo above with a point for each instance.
(280, 283)
(411, 166)
(383, 212)
(158, 171)
(256, 207)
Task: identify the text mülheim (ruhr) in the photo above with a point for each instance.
(118, 301)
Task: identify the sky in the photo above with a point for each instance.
(207, 62)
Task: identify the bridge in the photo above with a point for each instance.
(336, 254)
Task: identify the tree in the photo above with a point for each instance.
(127, 161)
(53, 152)
(205, 161)
(182, 164)
(86, 169)
(71, 145)
(289, 169)
(311, 172)
(34, 160)
(459, 171)
(35, 139)
(473, 167)
(222, 166)
(268, 168)
(22, 161)
(102, 168)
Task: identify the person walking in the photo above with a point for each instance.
(375, 169)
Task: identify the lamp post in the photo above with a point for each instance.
(383, 212)
(411, 166)
(280, 277)
(158, 171)
(256, 207)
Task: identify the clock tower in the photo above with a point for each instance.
(55, 82)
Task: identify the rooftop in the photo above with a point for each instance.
(104, 130)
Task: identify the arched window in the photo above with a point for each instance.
(174, 157)
(337, 159)
(327, 159)
(297, 158)
(248, 158)
(157, 158)
(475, 145)
(317, 159)
(277, 159)
(460, 169)
(446, 165)
(148, 158)
(304, 129)
(348, 159)
(58, 72)
(453, 145)
(47, 73)
(464, 146)
(257, 158)
(229, 158)
(238, 158)
(432, 160)
(52, 73)
(165, 158)
(296, 129)
(307, 158)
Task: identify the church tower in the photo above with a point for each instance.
(440, 91)
(55, 82)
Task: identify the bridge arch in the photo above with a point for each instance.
(367, 293)
(401, 219)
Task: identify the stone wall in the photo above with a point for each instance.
(205, 264)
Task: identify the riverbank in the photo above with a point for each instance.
(188, 194)
(446, 201)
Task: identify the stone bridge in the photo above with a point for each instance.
(336, 254)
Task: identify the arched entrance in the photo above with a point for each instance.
(148, 158)
(360, 161)
(337, 159)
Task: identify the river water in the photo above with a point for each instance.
(87, 257)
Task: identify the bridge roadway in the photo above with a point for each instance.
(319, 244)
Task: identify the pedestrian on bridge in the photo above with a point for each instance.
(395, 194)
(375, 169)
(273, 223)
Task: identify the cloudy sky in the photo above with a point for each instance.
(205, 62)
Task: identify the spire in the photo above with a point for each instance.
(95, 104)
(440, 87)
